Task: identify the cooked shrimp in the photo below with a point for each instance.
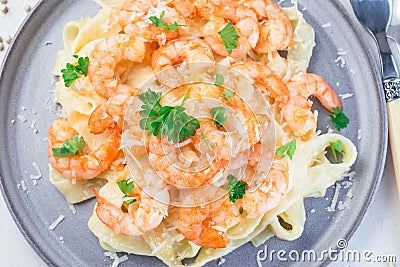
(143, 215)
(194, 164)
(246, 25)
(264, 23)
(297, 111)
(105, 115)
(134, 19)
(105, 58)
(182, 50)
(255, 155)
(219, 8)
(242, 111)
(270, 83)
(269, 194)
(82, 167)
(186, 8)
(206, 226)
(276, 32)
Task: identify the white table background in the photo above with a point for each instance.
(379, 231)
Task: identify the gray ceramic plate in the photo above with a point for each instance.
(26, 82)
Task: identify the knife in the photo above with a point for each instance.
(375, 16)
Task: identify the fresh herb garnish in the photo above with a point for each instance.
(229, 36)
(228, 95)
(73, 72)
(219, 80)
(166, 120)
(336, 147)
(126, 187)
(339, 119)
(206, 141)
(288, 149)
(236, 188)
(219, 114)
(70, 147)
(158, 23)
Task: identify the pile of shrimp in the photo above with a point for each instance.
(263, 27)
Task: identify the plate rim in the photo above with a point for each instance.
(384, 143)
(14, 213)
(50, 261)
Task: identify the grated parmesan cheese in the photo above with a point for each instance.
(221, 261)
(347, 184)
(38, 171)
(349, 194)
(33, 126)
(346, 95)
(72, 208)
(157, 248)
(312, 211)
(326, 25)
(23, 185)
(332, 207)
(21, 118)
(341, 60)
(114, 256)
(54, 224)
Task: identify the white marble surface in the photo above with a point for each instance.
(378, 232)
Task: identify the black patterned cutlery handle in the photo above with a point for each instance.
(392, 89)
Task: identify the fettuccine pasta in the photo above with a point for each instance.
(245, 112)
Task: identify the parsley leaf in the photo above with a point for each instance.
(229, 36)
(236, 188)
(219, 80)
(336, 147)
(228, 95)
(161, 120)
(130, 200)
(83, 65)
(73, 72)
(158, 23)
(179, 125)
(70, 147)
(126, 187)
(288, 148)
(206, 141)
(219, 114)
(339, 119)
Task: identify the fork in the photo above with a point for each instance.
(375, 16)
